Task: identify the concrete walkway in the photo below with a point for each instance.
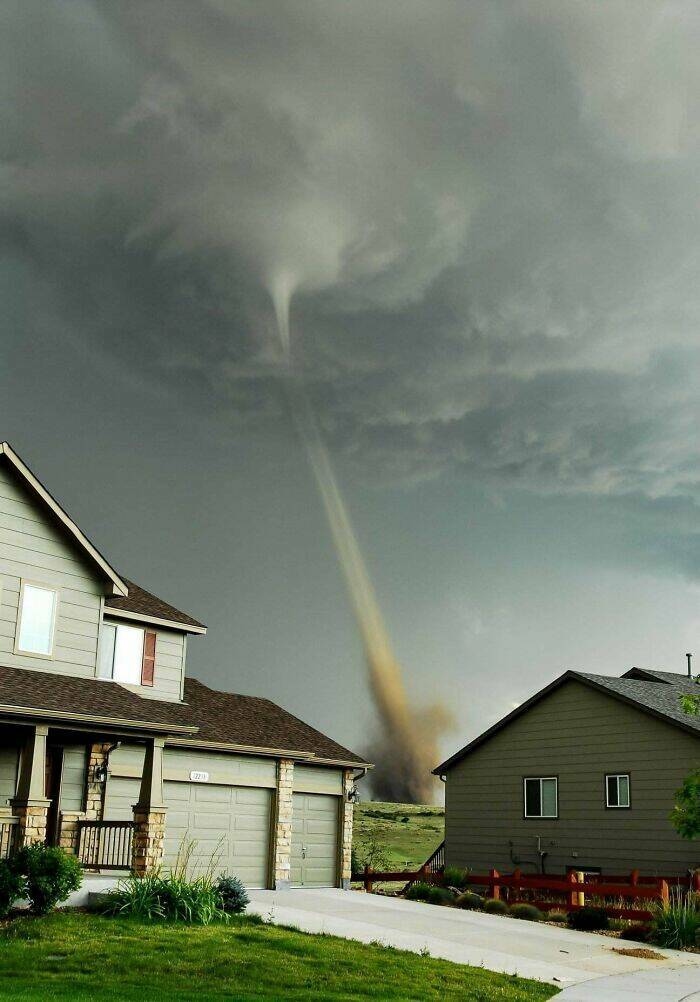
(559, 956)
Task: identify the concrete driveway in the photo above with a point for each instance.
(546, 953)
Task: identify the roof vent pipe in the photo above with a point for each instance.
(690, 673)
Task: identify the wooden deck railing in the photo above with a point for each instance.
(105, 844)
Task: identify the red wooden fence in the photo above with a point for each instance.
(571, 893)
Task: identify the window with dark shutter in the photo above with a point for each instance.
(148, 666)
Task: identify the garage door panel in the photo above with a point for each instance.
(315, 831)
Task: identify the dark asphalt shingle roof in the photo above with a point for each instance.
(144, 603)
(209, 715)
(653, 691)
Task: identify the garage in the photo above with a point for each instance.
(315, 825)
(227, 824)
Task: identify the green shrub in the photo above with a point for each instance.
(638, 933)
(233, 895)
(676, 924)
(527, 912)
(50, 875)
(557, 916)
(494, 906)
(11, 887)
(440, 896)
(453, 876)
(469, 900)
(418, 891)
(588, 919)
(171, 896)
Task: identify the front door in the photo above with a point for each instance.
(54, 768)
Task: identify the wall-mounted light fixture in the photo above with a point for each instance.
(99, 773)
(353, 795)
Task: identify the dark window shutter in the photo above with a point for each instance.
(148, 665)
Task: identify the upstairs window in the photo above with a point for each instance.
(617, 789)
(37, 620)
(541, 797)
(127, 654)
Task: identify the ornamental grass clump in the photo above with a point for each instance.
(469, 901)
(557, 916)
(494, 906)
(170, 896)
(454, 876)
(677, 924)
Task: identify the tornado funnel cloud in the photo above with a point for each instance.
(405, 749)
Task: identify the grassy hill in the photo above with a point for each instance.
(406, 834)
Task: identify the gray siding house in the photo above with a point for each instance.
(582, 776)
(108, 749)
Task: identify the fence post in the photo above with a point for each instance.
(495, 888)
(571, 895)
(695, 881)
(581, 896)
(663, 892)
(515, 886)
(424, 873)
(368, 878)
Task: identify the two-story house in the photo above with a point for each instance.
(581, 776)
(108, 749)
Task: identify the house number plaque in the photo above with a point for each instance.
(199, 777)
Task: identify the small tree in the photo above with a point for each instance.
(685, 816)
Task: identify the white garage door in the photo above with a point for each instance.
(226, 825)
(314, 840)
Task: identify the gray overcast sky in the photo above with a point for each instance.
(489, 215)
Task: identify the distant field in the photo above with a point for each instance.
(406, 833)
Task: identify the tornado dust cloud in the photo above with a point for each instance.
(405, 751)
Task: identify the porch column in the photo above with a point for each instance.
(31, 805)
(149, 812)
(346, 830)
(282, 825)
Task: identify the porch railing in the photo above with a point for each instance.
(105, 844)
(8, 837)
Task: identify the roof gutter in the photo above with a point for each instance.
(155, 620)
(300, 756)
(90, 718)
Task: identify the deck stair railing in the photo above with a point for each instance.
(105, 844)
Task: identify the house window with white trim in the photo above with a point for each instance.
(617, 789)
(37, 620)
(121, 653)
(541, 797)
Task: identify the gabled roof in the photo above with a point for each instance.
(654, 692)
(142, 605)
(127, 600)
(119, 586)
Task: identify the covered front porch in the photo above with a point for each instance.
(52, 790)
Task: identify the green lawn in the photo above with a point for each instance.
(408, 833)
(75, 957)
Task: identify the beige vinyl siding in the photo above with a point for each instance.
(34, 549)
(239, 770)
(317, 779)
(578, 735)
(73, 778)
(169, 663)
(9, 759)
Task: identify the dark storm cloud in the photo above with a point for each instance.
(489, 211)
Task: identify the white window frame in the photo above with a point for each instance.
(24, 583)
(541, 779)
(116, 627)
(618, 776)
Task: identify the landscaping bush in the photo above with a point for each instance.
(170, 896)
(50, 875)
(11, 887)
(233, 895)
(588, 919)
(469, 900)
(638, 933)
(676, 924)
(418, 891)
(557, 916)
(494, 906)
(453, 876)
(527, 912)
